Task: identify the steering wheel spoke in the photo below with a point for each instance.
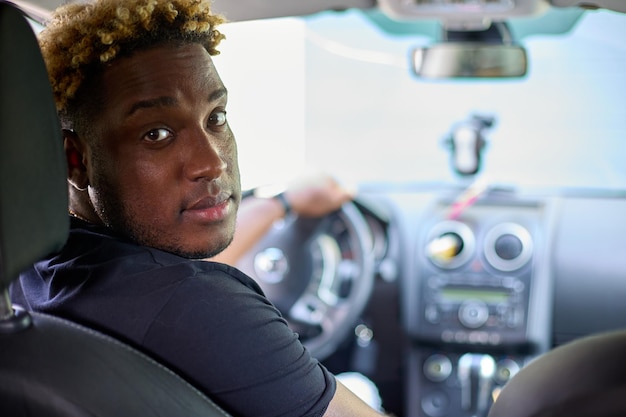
(309, 309)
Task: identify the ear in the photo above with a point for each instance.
(75, 152)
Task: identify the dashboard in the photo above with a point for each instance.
(440, 293)
(575, 241)
(487, 282)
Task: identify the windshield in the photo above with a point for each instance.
(335, 92)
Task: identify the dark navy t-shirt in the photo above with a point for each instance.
(207, 321)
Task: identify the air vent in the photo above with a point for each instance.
(508, 247)
(450, 244)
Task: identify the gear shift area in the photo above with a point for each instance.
(475, 373)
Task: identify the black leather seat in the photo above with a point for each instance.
(584, 378)
(49, 366)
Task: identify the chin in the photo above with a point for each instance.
(211, 248)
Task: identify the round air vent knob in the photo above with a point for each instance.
(508, 246)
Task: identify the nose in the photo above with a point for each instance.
(205, 157)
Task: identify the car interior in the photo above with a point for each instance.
(466, 297)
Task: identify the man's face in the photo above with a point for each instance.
(163, 160)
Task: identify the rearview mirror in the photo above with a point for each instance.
(469, 59)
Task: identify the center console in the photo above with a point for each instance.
(475, 306)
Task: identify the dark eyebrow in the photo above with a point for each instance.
(169, 101)
(155, 102)
(219, 93)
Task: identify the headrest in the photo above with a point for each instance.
(33, 173)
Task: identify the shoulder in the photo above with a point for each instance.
(210, 268)
(91, 244)
(209, 321)
(224, 335)
(211, 289)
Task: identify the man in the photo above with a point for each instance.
(154, 188)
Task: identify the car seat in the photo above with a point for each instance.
(583, 378)
(50, 366)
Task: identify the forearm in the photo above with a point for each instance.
(347, 404)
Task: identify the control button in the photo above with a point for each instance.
(478, 337)
(447, 336)
(432, 314)
(473, 313)
(505, 370)
(434, 283)
(460, 337)
(509, 282)
(502, 312)
(495, 339)
(515, 318)
(437, 368)
(435, 404)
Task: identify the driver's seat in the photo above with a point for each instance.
(583, 378)
(50, 366)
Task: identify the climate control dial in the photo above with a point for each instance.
(473, 313)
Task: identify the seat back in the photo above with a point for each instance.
(33, 187)
(584, 378)
(50, 366)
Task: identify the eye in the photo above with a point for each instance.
(217, 118)
(158, 135)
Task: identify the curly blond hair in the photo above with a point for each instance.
(82, 38)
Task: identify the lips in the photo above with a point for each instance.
(208, 202)
(209, 208)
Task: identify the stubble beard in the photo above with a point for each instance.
(117, 216)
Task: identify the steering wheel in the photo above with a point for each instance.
(318, 272)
